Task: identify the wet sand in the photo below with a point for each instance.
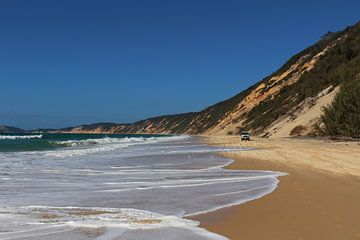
(319, 199)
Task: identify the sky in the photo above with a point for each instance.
(65, 63)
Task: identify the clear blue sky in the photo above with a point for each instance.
(65, 63)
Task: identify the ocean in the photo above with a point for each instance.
(96, 186)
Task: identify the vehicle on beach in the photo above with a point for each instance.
(245, 136)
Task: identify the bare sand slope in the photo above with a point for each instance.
(309, 114)
(341, 158)
(319, 199)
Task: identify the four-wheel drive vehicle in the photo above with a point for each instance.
(245, 136)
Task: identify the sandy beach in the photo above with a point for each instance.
(319, 199)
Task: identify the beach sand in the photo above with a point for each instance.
(319, 199)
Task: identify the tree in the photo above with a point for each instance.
(342, 118)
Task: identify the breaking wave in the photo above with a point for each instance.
(91, 142)
(14, 137)
(112, 140)
(90, 146)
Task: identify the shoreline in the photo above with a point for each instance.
(319, 199)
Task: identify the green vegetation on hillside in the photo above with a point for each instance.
(339, 65)
(342, 118)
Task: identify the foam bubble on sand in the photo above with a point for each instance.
(117, 222)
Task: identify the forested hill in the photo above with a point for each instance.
(8, 129)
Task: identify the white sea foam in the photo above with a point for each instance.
(106, 140)
(149, 181)
(40, 221)
(13, 137)
(96, 145)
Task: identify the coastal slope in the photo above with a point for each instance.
(9, 129)
(288, 102)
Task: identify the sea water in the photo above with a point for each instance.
(94, 186)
